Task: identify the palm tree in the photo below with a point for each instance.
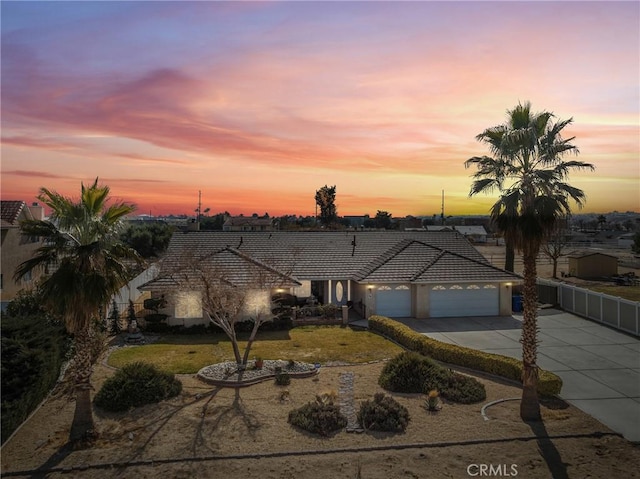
(528, 170)
(90, 264)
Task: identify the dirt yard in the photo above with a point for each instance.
(243, 433)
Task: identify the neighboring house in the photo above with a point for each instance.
(248, 223)
(592, 265)
(356, 221)
(476, 234)
(409, 223)
(436, 228)
(396, 274)
(16, 248)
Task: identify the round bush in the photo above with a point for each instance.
(410, 372)
(407, 373)
(383, 413)
(461, 389)
(136, 384)
(318, 418)
(283, 379)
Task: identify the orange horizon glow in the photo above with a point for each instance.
(258, 105)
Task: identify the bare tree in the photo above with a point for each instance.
(556, 245)
(233, 288)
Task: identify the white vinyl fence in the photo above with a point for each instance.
(618, 313)
(130, 291)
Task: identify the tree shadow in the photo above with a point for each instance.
(55, 459)
(557, 467)
(234, 415)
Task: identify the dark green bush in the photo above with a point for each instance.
(383, 413)
(283, 379)
(459, 388)
(136, 384)
(549, 384)
(318, 418)
(32, 352)
(411, 372)
(406, 373)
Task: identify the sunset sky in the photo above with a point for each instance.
(260, 104)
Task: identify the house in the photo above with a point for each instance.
(409, 223)
(476, 234)
(248, 223)
(391, 273)
(16, 248)
(592, 265)
(437, 228)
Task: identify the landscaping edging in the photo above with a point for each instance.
(227, 374)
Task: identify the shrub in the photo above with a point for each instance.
(456, 387)
(406, 373)
(283, 379)
(411, 372)
(114, 319)
(383, 413)
(549, 384)
(321, 417)
(136, 384)
(33, 350)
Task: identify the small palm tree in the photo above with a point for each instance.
(90, 264)
(529, 172)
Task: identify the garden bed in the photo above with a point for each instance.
(228, 374)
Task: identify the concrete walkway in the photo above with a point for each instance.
(599, 366)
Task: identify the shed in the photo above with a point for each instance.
(592, 265)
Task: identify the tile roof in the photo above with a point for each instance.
(226, 264)
(389, 256)
(10, 212)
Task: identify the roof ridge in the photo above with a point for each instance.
(260, 263)
(481, 263)
(431, 263)
(381, 259)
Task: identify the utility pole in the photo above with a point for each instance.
(199, 209)
(442, 212)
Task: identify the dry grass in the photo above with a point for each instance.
(186, 354)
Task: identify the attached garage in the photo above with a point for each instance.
(394, 301)
(453, 300)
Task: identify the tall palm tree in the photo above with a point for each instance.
(90, 264)
(528, 171)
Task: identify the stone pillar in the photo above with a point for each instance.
(345, 315)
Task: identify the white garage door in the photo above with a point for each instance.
(393, 301)
(447, 301)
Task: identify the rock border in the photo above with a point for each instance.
(227, 374)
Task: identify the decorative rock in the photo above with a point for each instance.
(231, 374)
(347, 402)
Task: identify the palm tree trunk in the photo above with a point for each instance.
(82, 428)
(529, 406)
(509, 258)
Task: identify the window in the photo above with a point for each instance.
(455, 286)
(489, 286)
(439, 288)
(402, 286)
(473, 286)
(188, 304)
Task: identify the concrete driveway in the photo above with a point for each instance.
(599, 366)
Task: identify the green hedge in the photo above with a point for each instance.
(33, 350)
(548, 383)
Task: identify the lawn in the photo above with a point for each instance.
(632, 293)
(186, 354)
